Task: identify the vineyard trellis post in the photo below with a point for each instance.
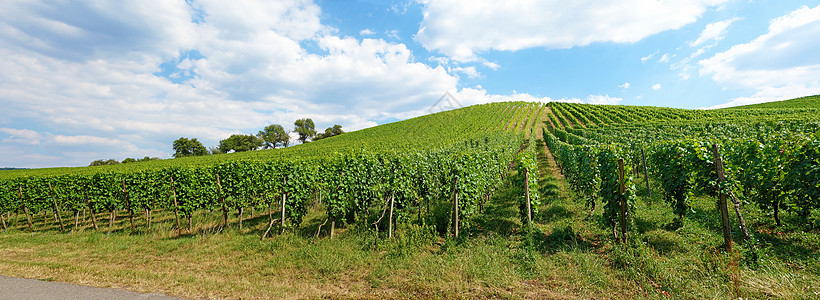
(25, 209)
(527, 197)
(455, 206)
(176, 208)
(128, 204)
(91, 211)
(56, 209)
(390, 218)
(622, 191)
(724, 210)
(284, 199)
(222, 200)
(646, 175)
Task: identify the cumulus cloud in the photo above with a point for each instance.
(624, 86)
(656, 87)
(781, 64)
(115, 79)
(462, 29)
(367, 32)
(664, 58)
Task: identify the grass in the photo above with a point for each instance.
(569, 255)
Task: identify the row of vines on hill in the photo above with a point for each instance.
(773, 164)
(349, 183)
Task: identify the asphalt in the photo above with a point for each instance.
(23, 289)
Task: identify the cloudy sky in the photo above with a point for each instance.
(85, 80)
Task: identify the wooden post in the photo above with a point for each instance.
(622, 190)
(390, 218)
(222, 199)
(241, 214)
(4, 221)
(176, 207)
(455, 206)
(76, 219)
(332, 228)
(56, 208)
(147, 218)
(527, 197)
(91, 212)
(724, 210)
(282, 227)
(111, 220)
(25, 209)
(646, 175)
(128, 204)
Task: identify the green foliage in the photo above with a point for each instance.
(527, 164)
(274, 136)
(240, 143)
(188, 147)
(101, 162)
(305, 128)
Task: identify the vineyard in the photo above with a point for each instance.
(442, 179)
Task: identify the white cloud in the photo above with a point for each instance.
(664, 58)
(367, 31)
(648, 57)
(248, 70)
(781, 64)
(624, 86)
(461, 29)
(603, 99)
(656, 87)
(21, 136)
(471, 72)
(471, 96)
(713, 32)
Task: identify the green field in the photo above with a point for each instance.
(437, 207)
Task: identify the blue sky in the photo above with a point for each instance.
(113, 79)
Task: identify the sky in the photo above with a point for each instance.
(87, 80)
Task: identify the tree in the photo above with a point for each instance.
(240, 143)
(101, 162)
(132, 160)
(329, 132)
(189, 147)
(274, 135)
(305, 128)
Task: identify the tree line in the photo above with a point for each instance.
(270, 137)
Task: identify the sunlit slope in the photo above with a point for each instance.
(798, 103)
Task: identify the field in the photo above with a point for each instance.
(511, 200)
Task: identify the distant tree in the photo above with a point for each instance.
(215, 150)
(274, 135)
(148, 159)
(240, 143)
(329, 132)
(189, 147)
(129, 160)
(101, 162)
(305, 128)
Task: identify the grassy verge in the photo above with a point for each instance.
(570, 255)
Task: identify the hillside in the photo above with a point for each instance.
(513, 200)
(802, 102)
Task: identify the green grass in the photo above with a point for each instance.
(569, 255)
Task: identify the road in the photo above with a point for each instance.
(21, 288)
